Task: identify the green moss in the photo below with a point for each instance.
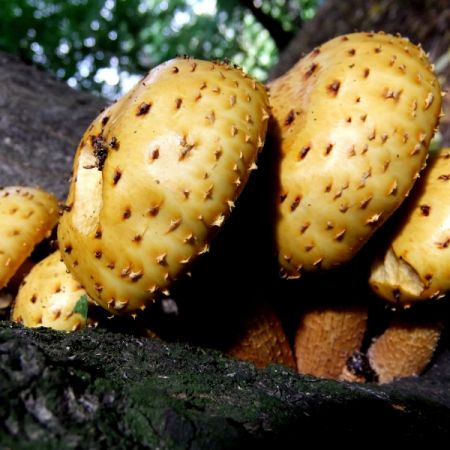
(95, 389)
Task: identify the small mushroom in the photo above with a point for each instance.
(51, 297)
(354, 119)
(415, 268)
(27, 216)
(156, 175)
(415, 265)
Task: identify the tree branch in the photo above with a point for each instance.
(276, 30)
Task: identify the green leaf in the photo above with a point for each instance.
(82, 307)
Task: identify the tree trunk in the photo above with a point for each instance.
(41, 122)
(93, 389)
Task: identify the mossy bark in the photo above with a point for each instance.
(96, 389)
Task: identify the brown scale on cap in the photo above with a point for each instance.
(27, 216)
(49, 296)
(188, 141)
(336, 140)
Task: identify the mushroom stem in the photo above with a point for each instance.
(263, 340)
(405, 348)
(332, 328)
(327, 337)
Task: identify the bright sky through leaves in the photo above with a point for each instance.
(107, 45)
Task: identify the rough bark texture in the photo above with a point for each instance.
(41, 122)
(93, 389)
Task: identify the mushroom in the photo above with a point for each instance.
(415, 268)
(354, 119)
(155, 176)
(51, 297)
(27, 216)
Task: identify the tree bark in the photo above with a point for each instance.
(93, 389)
(41, 122)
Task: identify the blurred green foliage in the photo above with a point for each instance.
(106, 45)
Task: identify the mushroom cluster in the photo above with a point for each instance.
(354, 122)
(157, 174)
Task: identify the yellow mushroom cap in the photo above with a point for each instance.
(155, 175)
(51, 297)
(416, 263)
(27, 216)
(354, 120)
